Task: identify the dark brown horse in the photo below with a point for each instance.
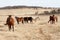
(53, 19)
(26, 19)
(10, 23)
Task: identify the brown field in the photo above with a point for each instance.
(39, 30)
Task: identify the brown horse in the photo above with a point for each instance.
(19, 19)
(10, 23)
(53, 19)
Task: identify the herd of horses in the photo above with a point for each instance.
(10, 20)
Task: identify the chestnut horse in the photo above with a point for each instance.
(10, 23)
(19, 19)
(53, 19)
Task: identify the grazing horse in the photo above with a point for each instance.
(10, 23)
(26, 19)
(19, 19)
(53, 19)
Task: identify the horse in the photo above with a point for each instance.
(37, 18)
(10, 23)
(19, 19)
(26, 19)
(53, 19)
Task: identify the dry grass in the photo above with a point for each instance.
(38, 30)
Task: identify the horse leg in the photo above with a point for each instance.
(18, 22)
(22, 21)
(53, 22)
(27, 21)
(13, 27)
(30, 21)
(9, 27)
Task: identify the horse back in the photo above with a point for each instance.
(11, 21)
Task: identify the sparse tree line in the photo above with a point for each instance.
(53, 12)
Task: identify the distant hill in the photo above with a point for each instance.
(17, 7)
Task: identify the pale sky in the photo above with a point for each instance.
(42, 3)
